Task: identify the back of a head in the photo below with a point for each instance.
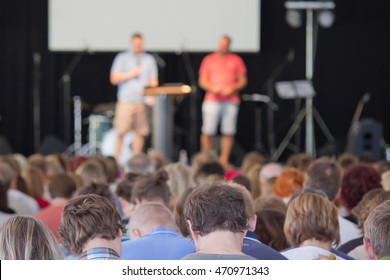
(125, 186)
(38, 161)
(299, 161)
(360, 211)
(152, 188)
(99, 189)
(112, 168)
(6, 177)
(269, 171)
(86, 217)
(324, 174)
(311, 216)
(179, 212)
(140, 163)
(243, 181)
(270, 202)
(290, 181)
(269, 229)
(376, 200)
(180, 179)
(35, 180)
(251, 159)
(357, 180)
(55, 164)
(386, 180)
(347, 159)
(150, 215)
(91, 171)
(217, 207)
(377, 228)
(62, 186)
(27, 238)
(211, 168)
(253, 176)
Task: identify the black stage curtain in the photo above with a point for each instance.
(352, 57)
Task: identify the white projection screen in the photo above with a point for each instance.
(167, 25)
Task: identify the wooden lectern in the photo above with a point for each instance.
(162, 136)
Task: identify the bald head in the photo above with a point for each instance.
(147, 217)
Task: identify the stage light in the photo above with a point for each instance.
(325, 18)
(294, 18)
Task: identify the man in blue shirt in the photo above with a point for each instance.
(154, 235)
(131, 71)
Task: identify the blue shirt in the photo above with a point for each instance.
(159, 244)
(253, 247)
(132, 90)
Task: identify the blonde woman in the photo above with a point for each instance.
(311, 227)
(27, 238)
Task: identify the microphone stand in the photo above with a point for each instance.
(37, 100)
(269, 85)
(193, 141)
(66, 83)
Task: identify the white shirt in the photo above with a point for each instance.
(22, 203)
(307, 253)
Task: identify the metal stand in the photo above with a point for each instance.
(77, 132)
(37, 100)
(261, 99)
(308, 111)
(66, 82)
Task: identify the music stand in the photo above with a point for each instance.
(259, 99)
(295, 90)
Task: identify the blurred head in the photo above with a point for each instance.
(375, 201)
(270, 202)
(299, 161)
(324, 174)
(91, 171)
(137, 43)
(139, 164)
(147, 217)
(152, 187)
(217, 207)
(62, 186)
(347, 159)
(311, 217)
(243, 181)
(376, 232)
(357, 180)
(27, 238)
(223, 45)
(385, 180)
(290, 181)
(87, 217)
(35, 181)
(269, 229)
(251, 159)
(179, 212)
(179, 179)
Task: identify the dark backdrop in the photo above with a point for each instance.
(352, 58)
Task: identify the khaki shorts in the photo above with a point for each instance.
(131, 117)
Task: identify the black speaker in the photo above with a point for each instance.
(5, 147)
(366, 137)
(51, 144)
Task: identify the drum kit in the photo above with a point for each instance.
(101, 133)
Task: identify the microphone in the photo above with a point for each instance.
(366, 97)
(291, 55)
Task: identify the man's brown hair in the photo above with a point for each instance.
(86, 217)
(217, 207)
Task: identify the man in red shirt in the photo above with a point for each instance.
(222, 74)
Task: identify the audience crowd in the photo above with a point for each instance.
(89, 207)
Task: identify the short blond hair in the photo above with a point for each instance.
(311, 216)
